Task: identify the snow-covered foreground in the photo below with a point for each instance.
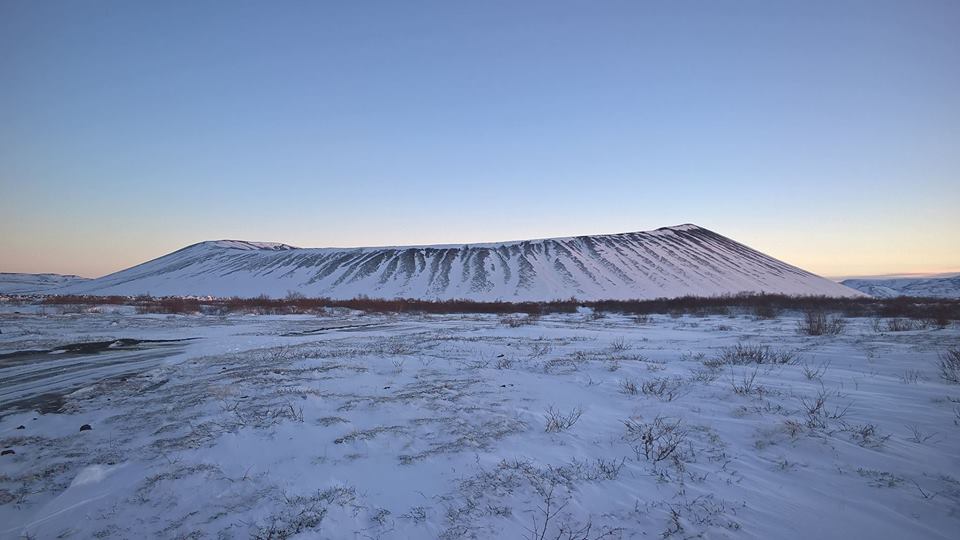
(362, 426)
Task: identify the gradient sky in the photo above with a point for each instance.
(826, 134)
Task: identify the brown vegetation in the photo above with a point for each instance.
(763, 305)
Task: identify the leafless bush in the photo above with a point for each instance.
(620, 345)
(278, 355)
(693, 357)
(605, 469)
(902, 325)
(628, 386)
(504, 362)
(818, 413)
(569, 531)
(417, 514)
(259, 416)
(867, 435)
(742, 354)
(557, 421)
(880, 479)
(657, 440)
(398, 364)
(481, 362)
(396, 347)
(642, 319)
(540, 349)
(911, 376)
(665, 388)
(704, 375)
(940, 318)
(918, 436)
(817, 323)
(792, 427)
(293, 296)
(746, 385)
(949, 365)
(301, 514)
(551, 508)
(766, 311)
(516, 321)
(815, 372)
(380, 516)
(367, 434)
(701, 511)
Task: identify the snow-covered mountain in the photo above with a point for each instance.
(17, 283)
(946, 286)
(667, 262)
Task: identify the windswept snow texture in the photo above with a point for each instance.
(928, 287)
(15, 283)
(402, 426)
(667, 262)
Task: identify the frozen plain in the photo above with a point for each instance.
(373, 426)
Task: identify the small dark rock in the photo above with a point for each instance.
(499, 356)
(386, 387)
(7, 452)
(21, 426)
(85, 427)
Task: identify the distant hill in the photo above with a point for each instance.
(15, 283)
(943, 286)
(667, 262)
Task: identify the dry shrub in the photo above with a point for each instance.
(657, 440)
(516, 321)
(949, 365)
(940, 311)
(557, 421)
(766, 311)
(817, 323)
(743, 354)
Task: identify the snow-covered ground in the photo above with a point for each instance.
(571, 426)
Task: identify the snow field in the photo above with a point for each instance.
(566, 426)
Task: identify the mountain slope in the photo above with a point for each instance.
(17, 283)
(929, 287)
(667, 262)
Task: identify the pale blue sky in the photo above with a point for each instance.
(823, 133)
